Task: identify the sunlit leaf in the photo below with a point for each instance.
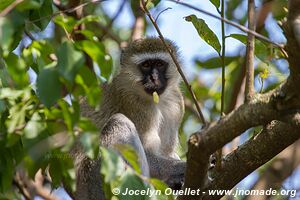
(89, 18)
(112, 165)
(17, 69)
(205, 32)
(65, 22)
(216, 3)
(215, 62)
(130, 155)
(4, 4)
(97, 52)
(6, 34)
(34, 126)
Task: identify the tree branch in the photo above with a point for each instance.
(109, 25)
(249, 87)
(253, 154)
(10, 8)
(280, 168)
(30, 188)
(260, 111)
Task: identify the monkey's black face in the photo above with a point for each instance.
(154, 75)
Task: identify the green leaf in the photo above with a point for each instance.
(6, 35)
(29, 4)
(131, 181)
(231, 6)
(215, 62)
(17, 69)
(90, 143)
(242, 38)
(11, 94)
(38, 53)
(216, 3)
(160, 185)
(112, 165)
(88, 86)
(69, 61)
(67, 115)
(40, 17)
(65, 22)
(2, 106)
(49, 86)
(97, 52)
(6, 170)
(205, 32)
(130, 155)
(5, 3)
(87, 125)
(5, 79)
(17, 114)
(261, 50)
(89, 18)
(34, 126)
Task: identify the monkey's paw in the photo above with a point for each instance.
(176, 182)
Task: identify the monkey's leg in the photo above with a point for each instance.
(118, 130)
(168, 169)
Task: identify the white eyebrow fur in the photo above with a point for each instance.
(139, 58)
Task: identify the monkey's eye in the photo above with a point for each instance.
(145, 67)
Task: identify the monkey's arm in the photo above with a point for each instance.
(167, 169)
(118, 130)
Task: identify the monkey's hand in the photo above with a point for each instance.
(169, 170)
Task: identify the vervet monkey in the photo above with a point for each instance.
(128, 115)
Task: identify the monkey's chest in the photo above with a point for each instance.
(148, 126)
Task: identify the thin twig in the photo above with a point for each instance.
(110, 34)
(70, 10)
(28, 34)
(24, 192)
(219, 152)
(109, 25)
(189, 87)
(223, 58)
(249, 88)
(242, 28)
(168, 8)
(10, 7)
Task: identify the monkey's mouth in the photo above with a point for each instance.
(154, 85)
(150, 90)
